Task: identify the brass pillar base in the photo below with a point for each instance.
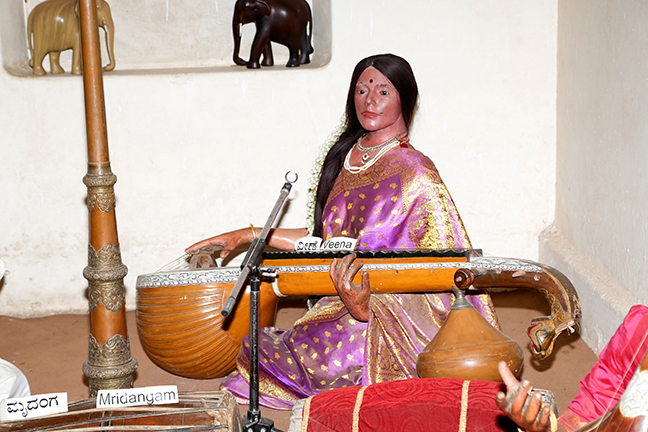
(110, 366)
(109, 377)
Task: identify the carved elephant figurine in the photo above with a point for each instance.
(286, 22)
(53, 26)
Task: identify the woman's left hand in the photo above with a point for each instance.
(354, 297)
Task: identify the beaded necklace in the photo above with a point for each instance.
(400, 140)
(367, 150)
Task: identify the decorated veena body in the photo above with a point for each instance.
(179, 310)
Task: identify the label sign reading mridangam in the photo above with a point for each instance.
(156, 395)
(33, 406)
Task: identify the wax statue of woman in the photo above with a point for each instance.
(374, 186)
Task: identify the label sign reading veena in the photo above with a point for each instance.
(156, 395)
(339, 244)
(33, 406)
(315, 244)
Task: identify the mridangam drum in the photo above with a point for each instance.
(195, 411)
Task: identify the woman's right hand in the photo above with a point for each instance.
(226, 242)
(522, 406)
(355, 297)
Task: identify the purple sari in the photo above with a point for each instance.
(400, 203)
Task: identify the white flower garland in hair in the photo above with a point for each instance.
(316, 172)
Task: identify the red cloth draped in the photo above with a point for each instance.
(420, 404)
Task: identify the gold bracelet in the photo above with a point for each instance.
(253, 231)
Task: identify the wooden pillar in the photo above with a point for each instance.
(110, 364)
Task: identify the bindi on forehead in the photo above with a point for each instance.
(378, 84)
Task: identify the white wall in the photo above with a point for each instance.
(204, 149)
(600, 237)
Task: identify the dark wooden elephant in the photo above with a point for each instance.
(53, 26)
(286, 22)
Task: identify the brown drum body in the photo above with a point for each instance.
(205, 411)
(180, 324)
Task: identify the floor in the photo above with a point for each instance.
(51, 351)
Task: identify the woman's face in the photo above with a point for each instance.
(377, 102)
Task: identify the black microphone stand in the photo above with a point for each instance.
(250, 268)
